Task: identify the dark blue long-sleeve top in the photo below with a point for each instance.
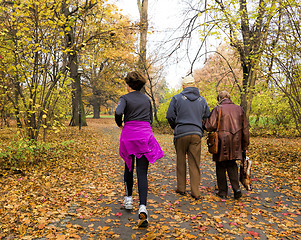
(135, 106)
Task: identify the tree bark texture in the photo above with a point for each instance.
(72, 63)
(250, 48)
(143, 10)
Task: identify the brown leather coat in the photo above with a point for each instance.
(233, 133)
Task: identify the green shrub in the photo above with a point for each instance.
(164, 106)
(28, 152)
(271, 114)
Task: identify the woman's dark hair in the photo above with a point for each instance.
(135, 80)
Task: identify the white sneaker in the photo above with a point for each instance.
(143, 219)
(128, 203)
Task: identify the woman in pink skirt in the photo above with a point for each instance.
(137, 141)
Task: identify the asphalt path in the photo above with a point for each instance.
(270, 211)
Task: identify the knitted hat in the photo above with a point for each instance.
(188, 80)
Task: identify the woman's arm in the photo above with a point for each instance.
(119, 111)
(211, 122)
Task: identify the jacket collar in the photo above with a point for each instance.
(226, 101)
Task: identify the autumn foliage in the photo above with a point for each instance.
(75, 191)
(61, 60)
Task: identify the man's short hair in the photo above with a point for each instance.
(135, 80)
(222, 95)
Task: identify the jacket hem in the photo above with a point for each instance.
(188, 133)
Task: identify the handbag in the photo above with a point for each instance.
(212, 139)
(245, 173)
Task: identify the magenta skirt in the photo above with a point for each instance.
(137, 139)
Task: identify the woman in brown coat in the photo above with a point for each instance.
(233, 137)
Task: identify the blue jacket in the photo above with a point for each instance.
(186, 112)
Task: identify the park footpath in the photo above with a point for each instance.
(272, 210)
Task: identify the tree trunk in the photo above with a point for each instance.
(143, 10)
(78, 113)
(152, 96)
(155, 113)
(96, 109)
(250, 46)
(76, 89)
(83, 114)
(249, 80)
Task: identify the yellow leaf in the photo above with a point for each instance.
(60, 237)
(190, 236)
(41, 225)
(104, 228)
(74, 236)
(69, 225)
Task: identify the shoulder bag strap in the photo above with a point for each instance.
(219, 117)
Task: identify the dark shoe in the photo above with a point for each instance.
(196, 198)
(237, 194)
(221, 196)
(181, 193)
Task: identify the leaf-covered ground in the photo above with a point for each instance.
(80, 195)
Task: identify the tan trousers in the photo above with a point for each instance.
(189, 146)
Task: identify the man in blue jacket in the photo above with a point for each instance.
(185, 115)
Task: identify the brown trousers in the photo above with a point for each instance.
(189, 146)
(232, 169)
